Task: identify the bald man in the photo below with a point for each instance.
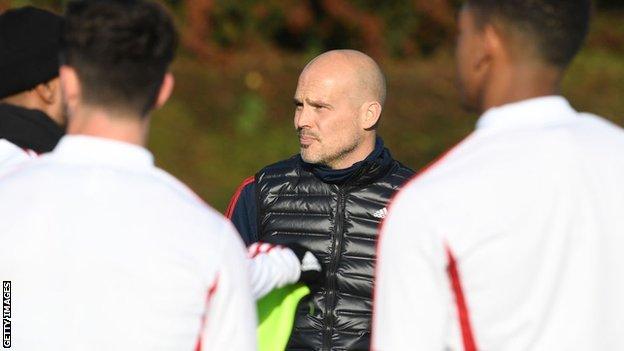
(329, 198)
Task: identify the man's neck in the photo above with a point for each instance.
(116, 126)
(521, 83)
(22, 99)
(28, 100)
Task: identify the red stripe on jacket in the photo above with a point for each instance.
(232, 205)
(460, 301)
(211, 291)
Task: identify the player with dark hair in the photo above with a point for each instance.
(512, 240)
(555, 30)
(106, 251)
(123, 69)
(539, 39)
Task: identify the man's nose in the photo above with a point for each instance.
(303, 117)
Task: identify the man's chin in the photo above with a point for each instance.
(307, 157)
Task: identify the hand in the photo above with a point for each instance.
(312, 270)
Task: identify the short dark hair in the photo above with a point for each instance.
(557, 27)
(120, 49)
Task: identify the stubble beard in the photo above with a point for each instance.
(329, 159)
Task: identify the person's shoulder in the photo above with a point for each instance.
(288, 168)
(289, 163)
(7, 145)
(181, 192)
(398, 167)
(11, 152)
(597, 138)
(397, 175)
(601, 126)
(247, 184)
(440, 174)
(199, 221)
(27, 177)
(204, 229)
(586, 134)
(20, 164)
(401, 172)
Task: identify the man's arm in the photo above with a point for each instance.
(412, 296)
(242, 211)
(275, 266)
(230, 322)
(270, 266)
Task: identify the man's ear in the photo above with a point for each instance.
(46, 92)
(166, 88)
(492, 44)
(70, 86)
(372, 112)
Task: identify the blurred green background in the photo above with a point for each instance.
(238, 63)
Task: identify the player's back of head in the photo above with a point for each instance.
(551, 31)
(121, 50)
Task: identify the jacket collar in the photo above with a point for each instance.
(537, 112)
(84, 149)
(29, 129)
(364, 172)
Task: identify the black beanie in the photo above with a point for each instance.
(29, 49)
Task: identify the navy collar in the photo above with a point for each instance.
(359, 171)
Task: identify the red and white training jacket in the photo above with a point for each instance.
(512, 241)
(107, 252)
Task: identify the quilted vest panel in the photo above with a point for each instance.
(339, 224)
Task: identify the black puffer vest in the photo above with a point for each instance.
(338, 223)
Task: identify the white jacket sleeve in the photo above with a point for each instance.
(231, 313)
(411, 307)
(272, 267)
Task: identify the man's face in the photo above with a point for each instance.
(327, 117)
(469, 55)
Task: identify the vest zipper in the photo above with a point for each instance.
(330, 292)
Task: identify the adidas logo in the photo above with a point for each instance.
(381, 213)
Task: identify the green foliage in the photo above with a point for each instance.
(253, 111)
(313, 25)
(395, 28)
